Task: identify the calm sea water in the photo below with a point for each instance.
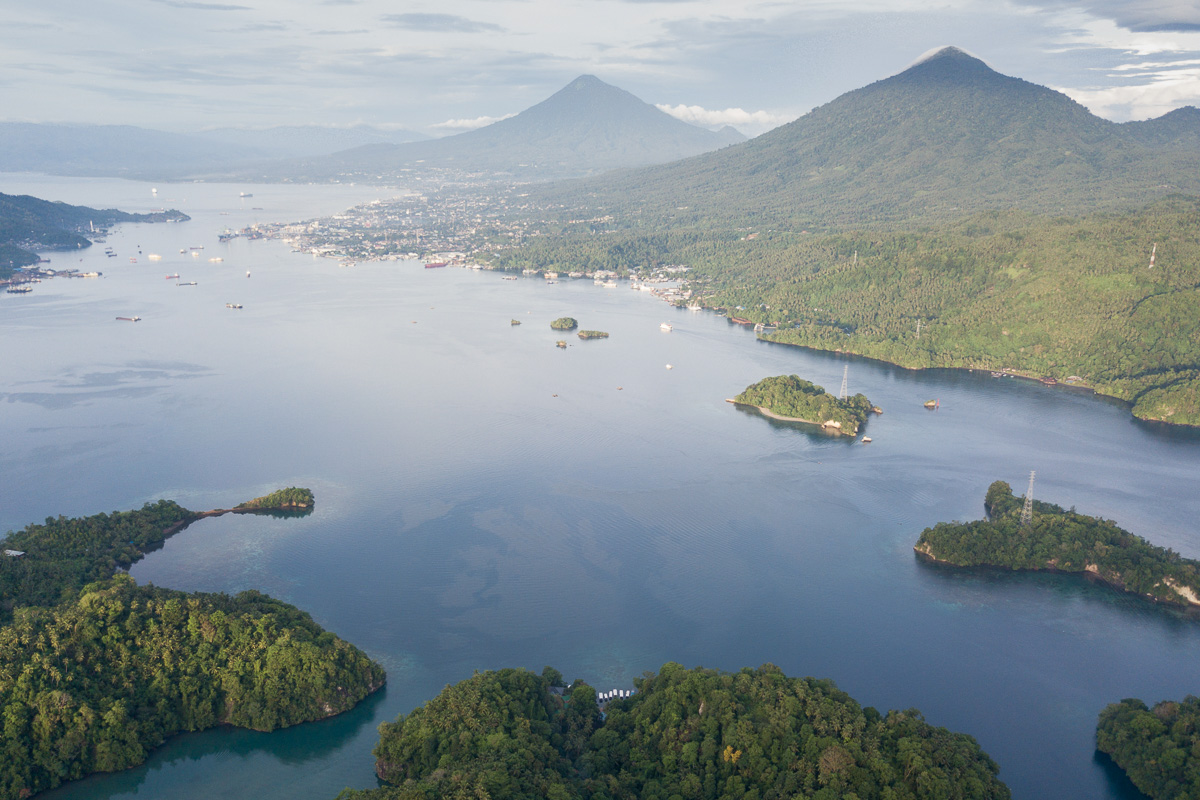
(487, 500)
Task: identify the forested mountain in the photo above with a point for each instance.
(29, 223)
(1177, 129)
(696, 733)
(943, 138)
(586, 128)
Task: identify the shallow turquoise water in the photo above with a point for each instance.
(487, 500)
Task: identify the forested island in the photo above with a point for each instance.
(282, 500)
(564, 324)
(96, 671)
(695, 733)
(1062, 541)
(1159, 748)
(792, 399)
(593, 334)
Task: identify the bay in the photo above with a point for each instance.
(485, 499)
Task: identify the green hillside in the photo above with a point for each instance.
(29, 223)
(1159, 748)
(946, 137)
(1057, 297)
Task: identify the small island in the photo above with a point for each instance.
(593, 334)
(565, 324)
(1158, 748)
(1062, 541)
(96, 671)
(680, 733)
(790, 398)
(282, 500)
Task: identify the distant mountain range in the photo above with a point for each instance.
(128, 151)
(944, 137)
(586, 128)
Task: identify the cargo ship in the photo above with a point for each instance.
(435, 264)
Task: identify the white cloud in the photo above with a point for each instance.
(1166, 90)
(467, 124)
(749, 122)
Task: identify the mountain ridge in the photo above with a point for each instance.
(946, 136)
(587, 127)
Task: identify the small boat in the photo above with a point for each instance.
(233, 305)
(174, 277)
(129, 319)
(694, 307)
(666, 326)
(154, 257)
(188, 283)
(247, 273)
(669, 366)
(866, 440)
(216, 259)
(19, 290)
(245, 194)
(132, 260)
(509, 278)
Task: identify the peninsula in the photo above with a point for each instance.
(1159, 748)
(790, 398)
(1062, 541)
(96, 671)
(679, 733)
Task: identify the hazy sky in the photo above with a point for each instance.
(446, 65)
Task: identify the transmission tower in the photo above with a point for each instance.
(1027, 510)
(845, 375)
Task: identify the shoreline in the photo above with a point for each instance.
(766, 412)
(1188, 598)
(1006, 371)
(217, 512)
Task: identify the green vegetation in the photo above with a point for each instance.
(792, 397)
(95, 671)
(686, 733)
(593, 334)
(27, 223)
(1043, 296)
(564, 324)
(1063, 541)
(291, 497)
(1158, 748)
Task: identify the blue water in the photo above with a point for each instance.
(485, 499)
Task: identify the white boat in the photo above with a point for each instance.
(233, 305)
(866, 440)
(666, 326)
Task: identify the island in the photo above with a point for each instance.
(1058, 540)
(1158, 748)
(790, 398)
(564, 324)
(593, 334)
(288, 499)
(96, 671)
(755, 733)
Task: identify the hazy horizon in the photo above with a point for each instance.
(188, 65)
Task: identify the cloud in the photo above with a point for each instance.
(438, 23)
(202, 6)
(737, 117)
(468, 124)
(1161, 86)
(1140, 16)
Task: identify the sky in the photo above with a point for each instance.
(444, 66)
